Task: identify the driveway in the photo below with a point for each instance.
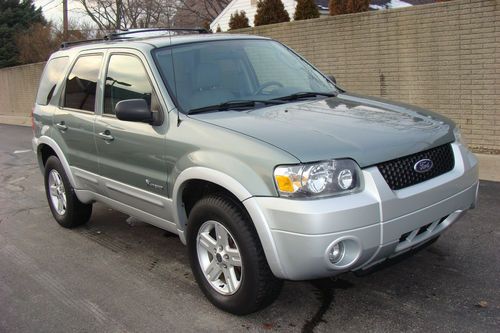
(117, 276)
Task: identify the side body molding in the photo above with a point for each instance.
(233, 186)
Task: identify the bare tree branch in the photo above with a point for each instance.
(124, 14)
(205, 10)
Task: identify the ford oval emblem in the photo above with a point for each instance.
(423, 165)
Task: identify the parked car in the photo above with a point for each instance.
(265, 168)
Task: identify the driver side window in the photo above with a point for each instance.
(126, 78)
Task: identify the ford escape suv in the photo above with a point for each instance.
(263, 166)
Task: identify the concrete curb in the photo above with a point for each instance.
(489, 167)
(15, 120)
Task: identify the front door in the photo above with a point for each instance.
(131, 154)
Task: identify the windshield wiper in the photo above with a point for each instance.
(233, 105)
(306, 94)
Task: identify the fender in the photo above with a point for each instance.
(64, 162)
(60, 155)
(210, 175)
(233, 186)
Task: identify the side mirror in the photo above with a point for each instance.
(332, 78)
(134, 110)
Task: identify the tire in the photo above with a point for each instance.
(72, 212)
(257, 286)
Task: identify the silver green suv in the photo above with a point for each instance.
(263, 166)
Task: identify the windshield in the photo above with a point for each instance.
(205, 74)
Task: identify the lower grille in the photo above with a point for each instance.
(418, 235)
(401, 173)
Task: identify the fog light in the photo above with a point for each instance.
(336, 253)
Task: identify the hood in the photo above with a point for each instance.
(367, 130)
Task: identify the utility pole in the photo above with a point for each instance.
(65, 19)
(118, 14)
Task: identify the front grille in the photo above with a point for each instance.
(400, 173)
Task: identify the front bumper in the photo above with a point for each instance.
(375, 224)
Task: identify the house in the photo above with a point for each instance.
(389, 4)
(250, 8)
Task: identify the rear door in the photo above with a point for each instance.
(74, 119)
(131, 154)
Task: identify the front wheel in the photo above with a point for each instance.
(227, 258)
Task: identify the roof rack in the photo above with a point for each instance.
(115, 35)
(124, 33)
(65, 45)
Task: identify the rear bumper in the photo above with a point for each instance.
(374, 225)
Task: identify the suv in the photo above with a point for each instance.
(264, 167)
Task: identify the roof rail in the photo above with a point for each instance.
(116, 35)
(65, 45)
(123, 35)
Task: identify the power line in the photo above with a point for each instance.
(48, 10)
(48, 3)
(42, 8)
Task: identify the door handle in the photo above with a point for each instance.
(62, 126)
(106, 136)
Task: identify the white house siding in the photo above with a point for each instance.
(250, 8)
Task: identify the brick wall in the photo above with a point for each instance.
(444, 57)
(18, 88)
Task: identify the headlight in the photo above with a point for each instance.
(318, 179)
(458, 136)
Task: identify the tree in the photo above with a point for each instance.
(238, 20)
(118, 14)
(269, 12)
(15, 17)
(306, 9)
(338, 7)
(38, 42)
(195, 13)
(35, 44)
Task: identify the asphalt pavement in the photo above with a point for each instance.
(117, 276)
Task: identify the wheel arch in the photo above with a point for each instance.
(202, 175)
(238, 192)
(46, 147)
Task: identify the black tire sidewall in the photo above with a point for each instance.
(67, 219)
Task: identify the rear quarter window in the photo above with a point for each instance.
(52, 74)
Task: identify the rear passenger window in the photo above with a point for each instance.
(52, 74)
(126, 79)
(81, 83)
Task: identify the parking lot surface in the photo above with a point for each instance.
(117, 276)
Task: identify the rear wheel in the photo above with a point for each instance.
(227, 258)
(67, 210)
